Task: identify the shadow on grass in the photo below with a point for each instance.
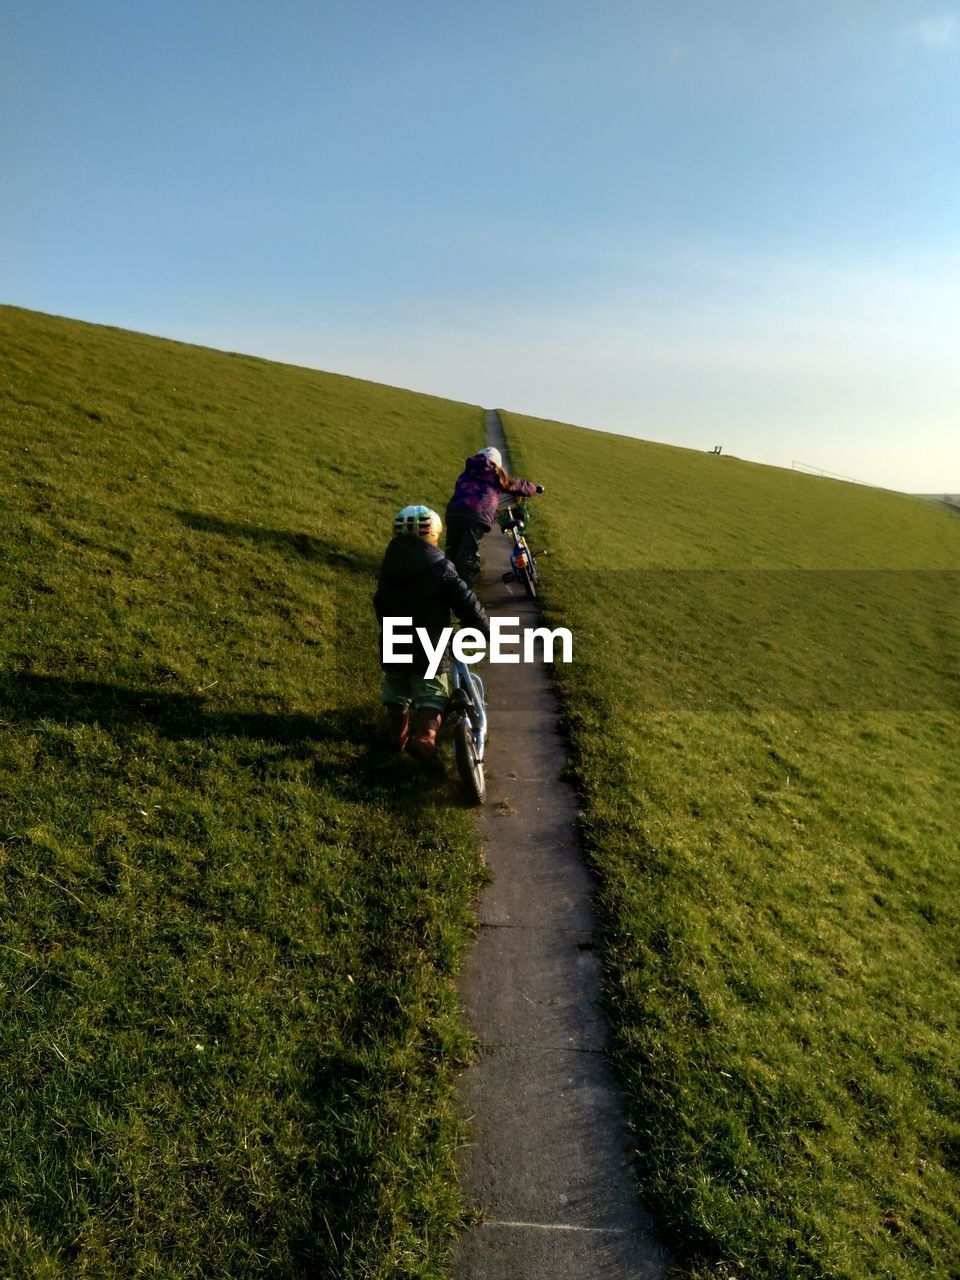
(305, 545)
(365, 767)
(27, 696)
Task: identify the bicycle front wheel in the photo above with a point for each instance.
(469, 765)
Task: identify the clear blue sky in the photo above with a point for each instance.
(704, 223)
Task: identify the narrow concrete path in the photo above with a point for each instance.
(550, 1161)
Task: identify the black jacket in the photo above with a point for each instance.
(418, 581)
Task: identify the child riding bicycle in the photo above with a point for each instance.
(418, 581)
(473, 508)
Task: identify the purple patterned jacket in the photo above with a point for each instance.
(477, 492)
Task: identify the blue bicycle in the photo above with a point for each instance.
(468, 719)
(513, 520)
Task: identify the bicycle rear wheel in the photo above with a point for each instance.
(469, 765)
(528, 581)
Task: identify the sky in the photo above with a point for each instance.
(691, 221)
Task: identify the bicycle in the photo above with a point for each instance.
(513, 520)
(467, 717)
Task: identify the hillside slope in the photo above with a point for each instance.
(764, 713)
(230, 921)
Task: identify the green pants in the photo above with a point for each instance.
(416, 691)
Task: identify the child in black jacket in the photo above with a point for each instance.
(417, 581)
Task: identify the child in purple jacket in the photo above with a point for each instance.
(473, 508)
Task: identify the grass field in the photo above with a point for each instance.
(764, 712)
(230, 923)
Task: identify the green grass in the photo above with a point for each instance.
(230, 923)
(764, 713)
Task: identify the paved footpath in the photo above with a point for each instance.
(550, 1163)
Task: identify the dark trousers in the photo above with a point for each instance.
(463, 546)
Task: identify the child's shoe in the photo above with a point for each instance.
(423, 744)
(399, 715)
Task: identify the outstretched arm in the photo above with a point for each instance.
(526, 487)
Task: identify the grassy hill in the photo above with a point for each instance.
(765, 714)
(230, 923)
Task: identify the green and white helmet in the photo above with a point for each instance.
(418, 521)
